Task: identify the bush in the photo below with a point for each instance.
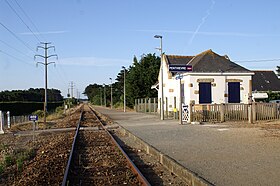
(59, 110)
(20, 164)
(39, 113)
(8, 160)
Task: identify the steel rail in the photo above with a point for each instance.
(143, 181)
(130, 164)
(64, 182)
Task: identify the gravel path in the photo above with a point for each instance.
(221, 153)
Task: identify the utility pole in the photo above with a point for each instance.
(100, 89)
(111, 93)
(72, 88)
(161, 78)
(78, 95)
(105, 95)
(124, 100)
(45, 63)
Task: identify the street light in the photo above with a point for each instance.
(124, 103)
(111, 93)
(161, 78)
(104, 94)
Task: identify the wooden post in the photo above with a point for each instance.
(150, 106)
(155, 106)
(160, 106)
(274, 110)
(254, 112)
(175, 110)
(135, 105)
(222, 112)
(250, 120)
(191, 113)
(166, 106)
(145, 105)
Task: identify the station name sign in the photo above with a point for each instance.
(180, 68)
(33, 117)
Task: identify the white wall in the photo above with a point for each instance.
(219, 87)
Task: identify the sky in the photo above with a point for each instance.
(95, 38)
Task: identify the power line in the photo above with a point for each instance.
(258, 60)
(22, 20)
(1, 51)
(11, 32)
(15, 49)
(26, 15)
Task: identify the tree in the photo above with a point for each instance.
(95, 94)
(142, 75)
(36, 95)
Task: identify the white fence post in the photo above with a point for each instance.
(1, 123)
(8, 119)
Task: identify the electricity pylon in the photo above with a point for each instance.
(46, 63)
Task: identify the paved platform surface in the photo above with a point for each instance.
(219, 153)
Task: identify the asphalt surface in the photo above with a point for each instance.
(219, 153)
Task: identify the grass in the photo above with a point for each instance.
(1, 168)
(19, 163)
(8, 160)
(3, 146)
(18, 157)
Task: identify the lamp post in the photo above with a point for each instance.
(124, 102)
(104, 94)
(111, 93)
(161, 78)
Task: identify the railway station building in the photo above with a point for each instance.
(214, 79)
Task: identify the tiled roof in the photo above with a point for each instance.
(265, 81)
(177, 60)
(207, 61)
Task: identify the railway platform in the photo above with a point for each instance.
(220, 153)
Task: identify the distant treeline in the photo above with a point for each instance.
(34, 95)
(24, 102)
(26, 108)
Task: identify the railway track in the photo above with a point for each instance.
(96, 158)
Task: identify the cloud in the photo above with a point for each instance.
(45, 33)
(94, 61)
(202, 22)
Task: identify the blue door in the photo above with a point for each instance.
(205, 95)
(234, 92)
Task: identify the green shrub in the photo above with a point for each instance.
(40, 113)
(19, 164)
(8, 160)
(59, 110)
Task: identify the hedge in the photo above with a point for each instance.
(26, 108)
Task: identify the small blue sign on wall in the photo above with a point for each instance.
(33, 117)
